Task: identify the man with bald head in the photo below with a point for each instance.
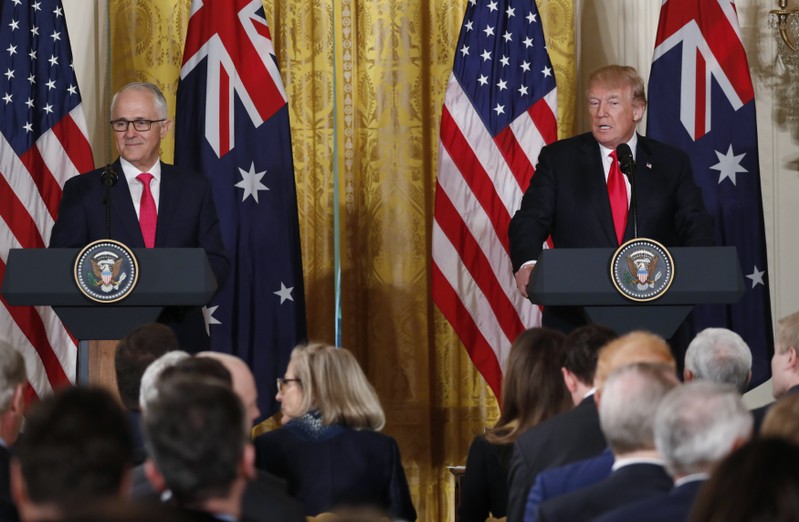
(243, 381)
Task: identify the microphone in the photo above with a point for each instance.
(627, 166)
(109, 176)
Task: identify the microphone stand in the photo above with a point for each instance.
(627, 166)
(109, 178)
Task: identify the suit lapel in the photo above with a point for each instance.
(127, 226)
(167, 202)
(643, 170)
(594, 177)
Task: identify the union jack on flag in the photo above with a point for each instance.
(701, 99)
(232, 123)
(499, 110)
(43, 142)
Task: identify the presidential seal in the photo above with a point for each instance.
(106, 271)
(642, 270)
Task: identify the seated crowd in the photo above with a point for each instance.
(593, 427)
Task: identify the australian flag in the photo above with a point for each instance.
(702, 100)
(232, 123)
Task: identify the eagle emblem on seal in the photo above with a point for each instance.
(643, 269)
(107, 273)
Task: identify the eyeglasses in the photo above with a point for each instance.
(139, 125)
(281, 382)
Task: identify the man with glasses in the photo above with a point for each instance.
(153, 204)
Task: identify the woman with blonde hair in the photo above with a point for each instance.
(329, 449)
(533, 390)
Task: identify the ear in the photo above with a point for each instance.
(569, 379)
(248, 462)
(154, 476)
(597, 397)
(687, 375)
(792, 357)
(638, 111)
(165, 126)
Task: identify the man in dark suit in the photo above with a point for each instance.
(696, 426)
(568, 198)
(784, 364)
(12, 384)
(567, 437)
(152, 205)
(626, 412)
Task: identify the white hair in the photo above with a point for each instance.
(698, 424)
(720, 355)
(12, 374)
(148, 392)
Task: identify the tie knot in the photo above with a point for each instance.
(613, 155)
(145, 178)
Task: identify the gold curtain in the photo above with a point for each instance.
(365, 81)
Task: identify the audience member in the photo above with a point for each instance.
(328, 448)
(133, 355)
(757, 482)
(148, 391)
(782, 419)
(77, 450)
(12, 384)
(198, 439)
(626, 414)
(784, 363)
(719, 355)
(532, 391)
(696, 426)
(567, 437)
(243, 381)
(635, 347)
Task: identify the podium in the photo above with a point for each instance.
(167, 277)
(581, 277)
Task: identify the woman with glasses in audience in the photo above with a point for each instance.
(329, 449)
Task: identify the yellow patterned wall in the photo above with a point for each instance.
(365, 81)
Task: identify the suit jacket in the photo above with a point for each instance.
(265, 498)
(187, 218)
(631, 483)
(564, 438)
(674, 506)
(8, 511)
(759, 413)
(484, 486)
(555, 482)
(568, 199)
(347, 468)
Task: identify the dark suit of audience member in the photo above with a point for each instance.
(8, 511)
(332, 456)
(568, 197)
(558, 481)
(674, 506)
(12, 404)
(626, 409)
(533, 390)
(570, 436)
(186, 214)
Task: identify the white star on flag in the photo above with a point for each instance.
(284, 293)
(251, 182)
(757, 277)
(208, 315)
(729, 165)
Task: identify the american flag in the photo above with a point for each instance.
(233, 124)
(702, 100)
(43, 142)
(499, 111)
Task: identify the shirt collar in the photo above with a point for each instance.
(633, 143)
(131, 172)
(622, 462)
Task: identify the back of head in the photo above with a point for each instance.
(12, 374)
(77, 449)
(634, 347)
(629, 400)
(200, 367)
(782, 419)
(195, 431)
(581, 350)
(148, 391)
(788, 332)
(720, 355)
(333, 381)
(757, 482)
(134, 354)
(243, 380)
(532, 386)
(698, 424)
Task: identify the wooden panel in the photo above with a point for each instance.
(101, 365)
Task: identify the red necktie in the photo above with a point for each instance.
(617, 192)
(148, 215)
